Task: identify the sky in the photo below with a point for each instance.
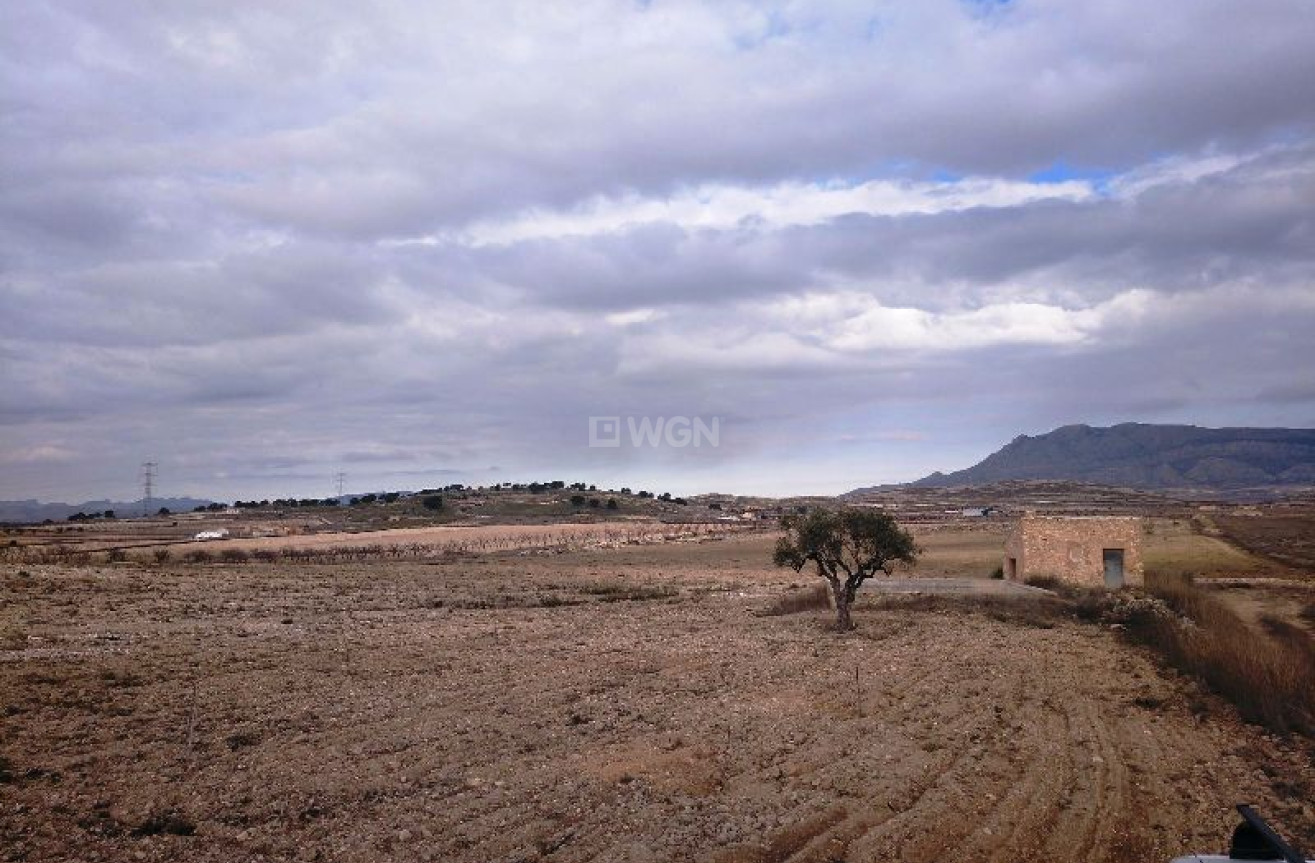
(848, 243)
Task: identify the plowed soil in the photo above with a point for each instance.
(617, 704)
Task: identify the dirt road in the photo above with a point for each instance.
(606, 705)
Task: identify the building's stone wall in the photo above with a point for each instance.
(1073, 548)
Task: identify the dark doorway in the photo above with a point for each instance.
(1011, 569)
(1113, 558)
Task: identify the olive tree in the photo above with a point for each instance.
(847, 546)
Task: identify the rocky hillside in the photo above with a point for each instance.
(1149, 456)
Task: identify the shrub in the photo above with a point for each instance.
(233, 555)
(815, 598)
(116, 555)
(1040, 612)
(199, 555)
(161, 555)
(998, 573)
(1269, 677)
(433, 501)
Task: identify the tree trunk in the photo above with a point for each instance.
(843, 621)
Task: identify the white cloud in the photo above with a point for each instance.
(1172, 170)
(723, 207)
(857, 323)
(633, 317)
(38, 454)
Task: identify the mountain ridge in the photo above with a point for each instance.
(1146, 456)
(32, 510)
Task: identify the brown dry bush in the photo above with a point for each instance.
(1041, 612)
(1290, 634)
(198, 555)
(233, 555)
(1045, 582)
(796, 601)
(1269, 677)
(627, 593)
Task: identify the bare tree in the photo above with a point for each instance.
(847, 546)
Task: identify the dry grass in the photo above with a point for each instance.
(1269, 676)
(1039, 612)
(1175, 548)
(1285, 537)
(959, 550)
(1267, 672)
(813, 598)
(628, 593)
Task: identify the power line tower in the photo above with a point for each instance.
(339, 478)
(148, 486)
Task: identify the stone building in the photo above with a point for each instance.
(1091, 551)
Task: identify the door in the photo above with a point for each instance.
(1113, 567)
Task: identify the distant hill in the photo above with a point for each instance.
(1136, 455)
(30, 511)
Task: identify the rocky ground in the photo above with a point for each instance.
(605, 704)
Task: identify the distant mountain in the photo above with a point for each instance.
(1135, 455)
(28, 511)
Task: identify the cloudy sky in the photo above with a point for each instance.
(421, 243)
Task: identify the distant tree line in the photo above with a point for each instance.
(89, 516)
(433, 498)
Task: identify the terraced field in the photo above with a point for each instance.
(609, 704)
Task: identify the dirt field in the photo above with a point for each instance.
(616, 704)
(429, 540)
(1285, 535)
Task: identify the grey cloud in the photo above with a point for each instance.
(198, 256)
(1254, 221)
(409, 119)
